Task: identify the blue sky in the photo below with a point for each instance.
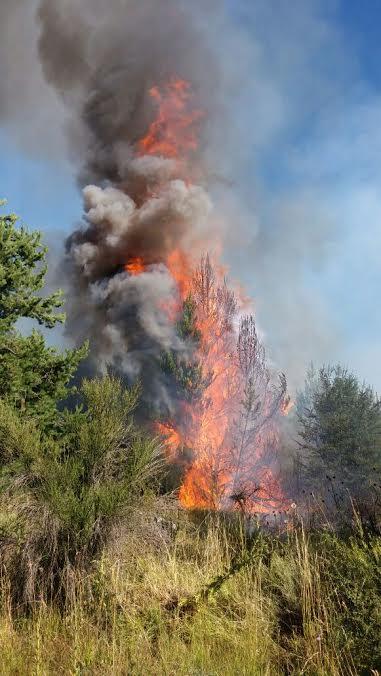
(308, 104)
(41, 191)
(361, 23)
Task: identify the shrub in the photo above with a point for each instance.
(59, 499)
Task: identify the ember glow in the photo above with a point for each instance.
(227, 429)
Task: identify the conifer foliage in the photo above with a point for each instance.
(340, 433)
(33, 376)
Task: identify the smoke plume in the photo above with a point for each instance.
(87, 67)
(104, 62)
(103, 59)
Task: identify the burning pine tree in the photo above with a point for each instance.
(159, 314)
(224, 426)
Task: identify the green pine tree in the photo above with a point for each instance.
(185, 372)
(340, 429)
(33, 376)
(188, 383)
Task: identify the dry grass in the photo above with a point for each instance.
(274, 616)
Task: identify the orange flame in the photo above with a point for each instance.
(135, 266)
(179, 265)
(209, 480)
(174, 133)
(171, 437)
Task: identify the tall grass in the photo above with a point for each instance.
(302, 603)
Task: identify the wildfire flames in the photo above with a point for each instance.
(225, 434)
(174, 132)
(135, 266)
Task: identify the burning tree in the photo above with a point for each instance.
(157, 314)
(227, 407)
(255, 431)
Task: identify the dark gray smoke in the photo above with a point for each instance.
(124, 314)
(103, 59)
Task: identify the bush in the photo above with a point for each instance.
(59, 499)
